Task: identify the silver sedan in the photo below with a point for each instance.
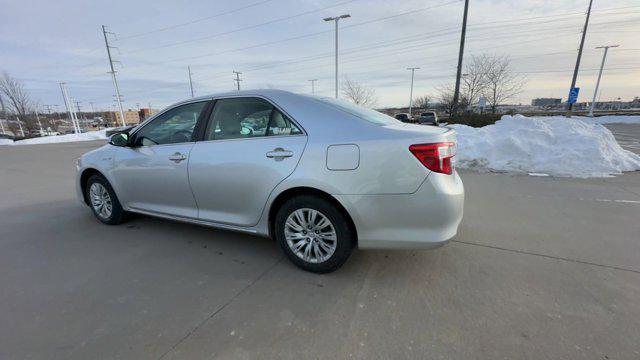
(320, 176)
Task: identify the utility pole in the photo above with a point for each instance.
(313, 85)
(39, 124)
(336, 19)
(604, 57)
(456, 92)
(2, 112)
(20, 125)
(190, 81)
(413, 70)
(113, 74)
(237, 79)
(78, 108)
(65, 97)
(93, 110)
(575, 71)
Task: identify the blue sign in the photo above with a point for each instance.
(573, 95)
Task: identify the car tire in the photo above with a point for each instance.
(103, 201)
(326, 242)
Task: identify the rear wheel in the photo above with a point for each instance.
(103, 200)
(313, 233)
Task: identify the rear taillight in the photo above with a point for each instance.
(436, 157)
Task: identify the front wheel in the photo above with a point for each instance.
(314, 234)
(103, 200)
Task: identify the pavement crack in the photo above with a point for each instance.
(217, 311)
(547, 256)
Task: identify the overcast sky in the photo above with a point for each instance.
(284, 43)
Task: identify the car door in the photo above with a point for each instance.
(152, 174)
(248, 147)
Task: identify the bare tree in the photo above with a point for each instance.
(474, 79)
(19, 101)
(445, 98)
(359, 94)
(501, 82)
(422, 102)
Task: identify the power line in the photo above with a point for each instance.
(301, 36)
(194, 21)
(241, 29)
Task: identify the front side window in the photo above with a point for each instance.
(238, 118)
(172, 127)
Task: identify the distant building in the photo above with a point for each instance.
(546, 102)
(145, 113)
(131, 117)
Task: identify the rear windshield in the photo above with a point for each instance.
(369, 115)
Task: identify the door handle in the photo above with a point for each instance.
(177, 157)
(279, 153)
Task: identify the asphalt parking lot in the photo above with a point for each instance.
(542, 268)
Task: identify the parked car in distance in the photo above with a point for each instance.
(428, 118)
(404, 117)
(321, 176)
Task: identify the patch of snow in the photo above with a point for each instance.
(611, 119)
(553, 145)
(88, 136)
(6, 142)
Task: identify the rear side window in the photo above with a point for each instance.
(369, 115)
(238, 118)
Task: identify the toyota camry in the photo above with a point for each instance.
(320, 176)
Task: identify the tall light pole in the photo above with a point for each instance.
(67, 104)
(575, 70)
(604, 57)
(237, 79)
(113, 74)
(336, 19)
(313, 85)
(39, 123)
(190, 81)
(413, 70)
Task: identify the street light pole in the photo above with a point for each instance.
(413, 70)
(604, 57)
(336, 19)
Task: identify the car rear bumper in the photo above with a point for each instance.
(425, 219)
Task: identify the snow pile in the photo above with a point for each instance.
(6, 142)
(88, 136)
(550, 145)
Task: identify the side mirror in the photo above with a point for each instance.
(119, 139)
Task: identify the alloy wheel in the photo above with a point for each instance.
(100, 200)
(310, 235)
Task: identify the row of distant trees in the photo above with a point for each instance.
(488, 76)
